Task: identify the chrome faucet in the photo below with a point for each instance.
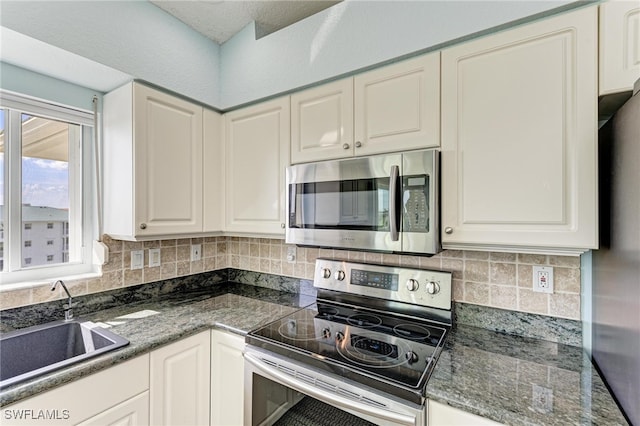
(68, 307)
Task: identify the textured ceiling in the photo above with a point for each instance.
(220, 20)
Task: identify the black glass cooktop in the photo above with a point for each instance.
(356, 342)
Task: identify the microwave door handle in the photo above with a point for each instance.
(393, 203)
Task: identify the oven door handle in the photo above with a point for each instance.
(326, 396)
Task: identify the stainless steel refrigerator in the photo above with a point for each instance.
(616, 264)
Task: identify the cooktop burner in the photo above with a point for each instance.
(383, 327)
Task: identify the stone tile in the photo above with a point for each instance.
(455, 266)
(183, 242)
(476, 255)
(356, 256)
(245, 262)
(503, 273)
(275, 266)
(133, 245)
(197, 240)
(502, 257)
(532, 302)
(209, 250)
(222, 261)
(244, 248)
(15, 298)
(568, 261)
(108, 281)
(325, 253)
(115, 246)
(265, 251)
(476, 293)
(168, 243)
(452, 253)
(151, 274)
(234, 247)
(221, 248)
(287, 269)
(410, 261)
(132, 277)
(197, 266)
(254, 250)
(168, 270)
(433, 262)
(183, 253)
(309, 271)
(234, 261)
(505, 297)
(565, 305)
(372, 257)
(477, 271)
(115, 262)
(275, 251)
(310, 256)
(390, 259)
(532, 259)
(168, 254)
(566, 280)
(210, 264)
(458, 290)
(265, 265)
(151, 244)
(299, 270)
(525, 276)
(183, 268)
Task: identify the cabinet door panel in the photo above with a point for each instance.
(398, 107)
(227, 379)
(179, 382)
(322, 122)
(133, 412)
(213, 171)
(257, 147)
(168, 153)
(619, 46)
(519, 136)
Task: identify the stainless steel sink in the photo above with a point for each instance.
(37, 350)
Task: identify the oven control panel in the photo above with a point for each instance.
(408, 285)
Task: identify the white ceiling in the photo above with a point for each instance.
(220, 20)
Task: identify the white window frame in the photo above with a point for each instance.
(82, 212)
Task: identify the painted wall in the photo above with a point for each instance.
(141, 40)
(19, 80)
(134, 37)
(351, 36)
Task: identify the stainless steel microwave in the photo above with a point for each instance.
(381, 203)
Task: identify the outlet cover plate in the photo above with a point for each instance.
(291, 254)
(196, 252)
(154, 258)
(137, 259)
(543, 279)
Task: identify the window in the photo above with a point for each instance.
(46, 182)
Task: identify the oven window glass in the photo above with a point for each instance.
(361, 204)
(275, 404)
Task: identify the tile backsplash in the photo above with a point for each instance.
(501, 280)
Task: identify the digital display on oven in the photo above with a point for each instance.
(374, 279)
(374, 346)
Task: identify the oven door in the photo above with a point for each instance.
(352, 203)
(281, 392)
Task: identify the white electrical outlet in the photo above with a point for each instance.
(154, 257)
(291, 254)
(543, 279)
(196, 252)
(542, 399)
(137, 259)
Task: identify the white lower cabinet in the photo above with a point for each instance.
(179, 382)
(116, 396)
(227, 378)
(134, 411)
(444, 415)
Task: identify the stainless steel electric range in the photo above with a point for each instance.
(366, 348)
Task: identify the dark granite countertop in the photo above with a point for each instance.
(511, 379)
(520, 381)
(236, 307)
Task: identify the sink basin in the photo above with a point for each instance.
(37, 350)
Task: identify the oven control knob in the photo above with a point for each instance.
(433, 287)
(339, 275)
(412, 285)
(411, 357)
(326, 273)
(339, 336)
(326, 333)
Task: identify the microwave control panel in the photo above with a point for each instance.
(415, 201)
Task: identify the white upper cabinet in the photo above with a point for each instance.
(519, 124)
(152, 164)
(322, 122)
(213, 172)
(389, 109)
(619, 45)
(397, 107)
(256, 153)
